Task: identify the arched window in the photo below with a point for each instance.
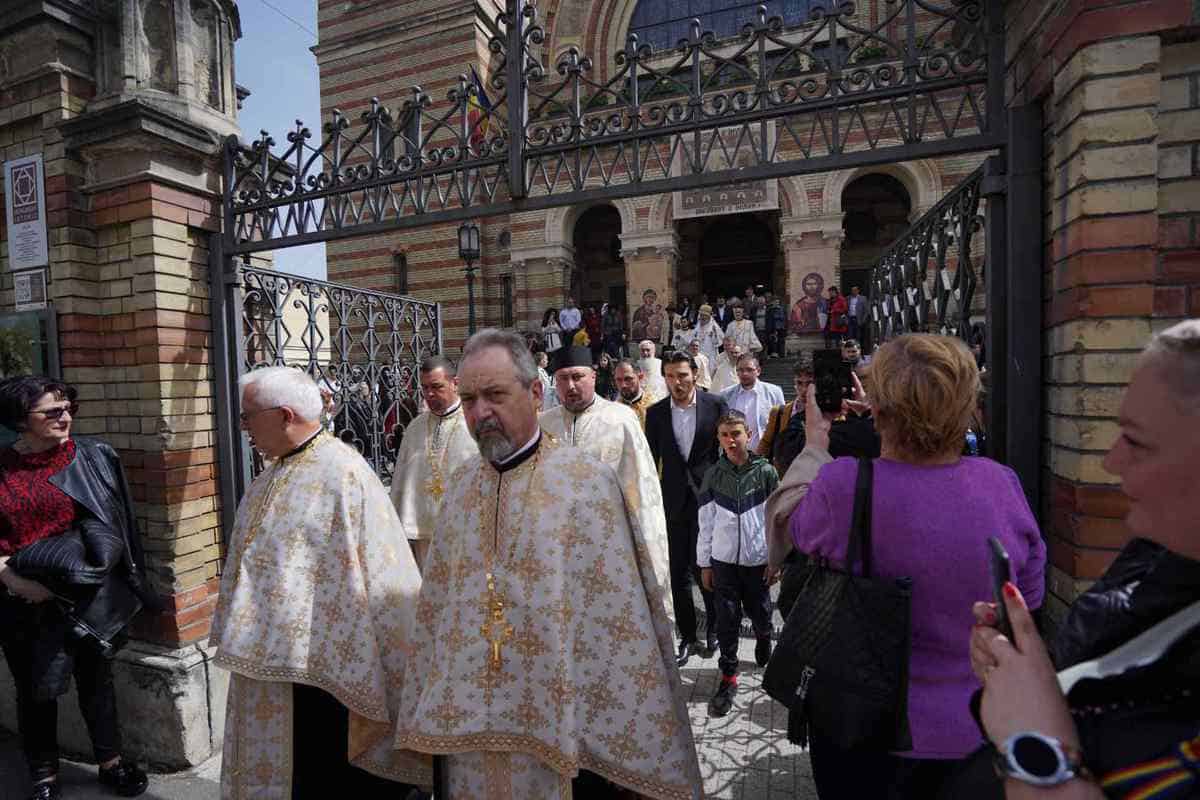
(662, 23)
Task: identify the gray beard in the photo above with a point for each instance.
(495, 447)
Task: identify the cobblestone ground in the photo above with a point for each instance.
(745, 755)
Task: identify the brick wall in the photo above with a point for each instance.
(128, 280)
(1117, 81)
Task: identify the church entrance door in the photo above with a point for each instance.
(737, 251)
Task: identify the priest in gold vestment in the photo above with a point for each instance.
(435, 444)
(546, 655)
(315, 614)
(611, 433)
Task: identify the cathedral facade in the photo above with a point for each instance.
(794, 237)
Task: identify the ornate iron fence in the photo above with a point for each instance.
(839, 90)
(926, 280)
(362, 347)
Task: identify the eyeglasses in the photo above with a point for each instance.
(245, 417)
(56, 413)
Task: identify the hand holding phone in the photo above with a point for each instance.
(1001, 569)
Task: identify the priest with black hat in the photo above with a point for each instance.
(611, 433)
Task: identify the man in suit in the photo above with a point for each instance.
(753, 397)
(783, 438)
(682, 431)
(723, 313)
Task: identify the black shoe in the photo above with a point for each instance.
(762, 651)
(685, 652)
(722, 701)
(710, 646)
(124, 779)
(46, 790)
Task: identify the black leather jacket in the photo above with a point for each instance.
(96, 481)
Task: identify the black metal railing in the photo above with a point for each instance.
(926, 280)
(840, 90)
(361, 347)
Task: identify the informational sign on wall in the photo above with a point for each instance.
(29, 290)
(25, 205)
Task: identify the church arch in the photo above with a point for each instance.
(921, 179)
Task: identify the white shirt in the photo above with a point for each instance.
(683, 423)
(855, 306)
(746, 401)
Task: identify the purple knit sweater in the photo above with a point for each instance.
(932, 524)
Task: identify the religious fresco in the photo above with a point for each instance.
(805, 316)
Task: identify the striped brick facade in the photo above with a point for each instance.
(132, 195)
(1119, 83)
(379, 49)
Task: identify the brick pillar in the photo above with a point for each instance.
(651, 262)
(1121, 257)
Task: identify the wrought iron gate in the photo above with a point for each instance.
(363, 349)
(924, 78)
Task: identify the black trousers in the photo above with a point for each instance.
(737, 589)
(852, 774)
(320, 762)
(37, 720)
(681, 551)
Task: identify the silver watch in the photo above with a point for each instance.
(1037, 759)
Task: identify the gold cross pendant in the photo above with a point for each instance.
(435, 489)
(494, 629)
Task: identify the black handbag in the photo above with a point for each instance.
(841, 665)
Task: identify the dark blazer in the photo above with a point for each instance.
(723, 315)
(679, 496)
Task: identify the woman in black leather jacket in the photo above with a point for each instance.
(1112, 708)
(70, 578)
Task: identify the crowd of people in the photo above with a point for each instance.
(512, 621)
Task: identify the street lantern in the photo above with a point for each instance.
(468, 251)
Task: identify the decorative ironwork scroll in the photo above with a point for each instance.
(923, 78)
(925, 282)
(361, 347)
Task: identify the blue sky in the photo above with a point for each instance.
(274, 62)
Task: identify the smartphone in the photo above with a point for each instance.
(831, 376)
(1001, 574)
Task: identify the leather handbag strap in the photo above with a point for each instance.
(858, 548)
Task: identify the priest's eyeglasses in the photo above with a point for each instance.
(246, 416)
(56, 413)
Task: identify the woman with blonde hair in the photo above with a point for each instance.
(933, 512)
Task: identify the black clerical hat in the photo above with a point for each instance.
(572, 357)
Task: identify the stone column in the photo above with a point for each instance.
(812, 253)
(542, 281)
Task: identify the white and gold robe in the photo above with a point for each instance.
(319, 588)
(587, 677)
(611, 433)
(724, 376)
(742, 331)
(432, 449)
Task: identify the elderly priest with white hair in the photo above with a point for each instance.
(542, 638)
(315, 614)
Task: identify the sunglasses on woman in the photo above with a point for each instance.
(56, 413)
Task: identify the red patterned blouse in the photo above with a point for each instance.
(32, 508)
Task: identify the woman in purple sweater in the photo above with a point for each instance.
(933, 512)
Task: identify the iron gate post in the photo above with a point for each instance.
(232, 465)
(517, 96)
(994, 189)
(1023, 290)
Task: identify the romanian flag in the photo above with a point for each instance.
(479, 110)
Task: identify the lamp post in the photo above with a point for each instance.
(468, 251)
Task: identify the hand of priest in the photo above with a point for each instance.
(706, 578)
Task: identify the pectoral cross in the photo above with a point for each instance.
(494, 629)
(435, 488)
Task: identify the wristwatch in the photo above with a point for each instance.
(1037, 759)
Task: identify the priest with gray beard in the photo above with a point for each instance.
(541, 631)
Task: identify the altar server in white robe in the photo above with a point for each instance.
(546, 655)
(612, 433)
(435, 444)
(315, 614)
